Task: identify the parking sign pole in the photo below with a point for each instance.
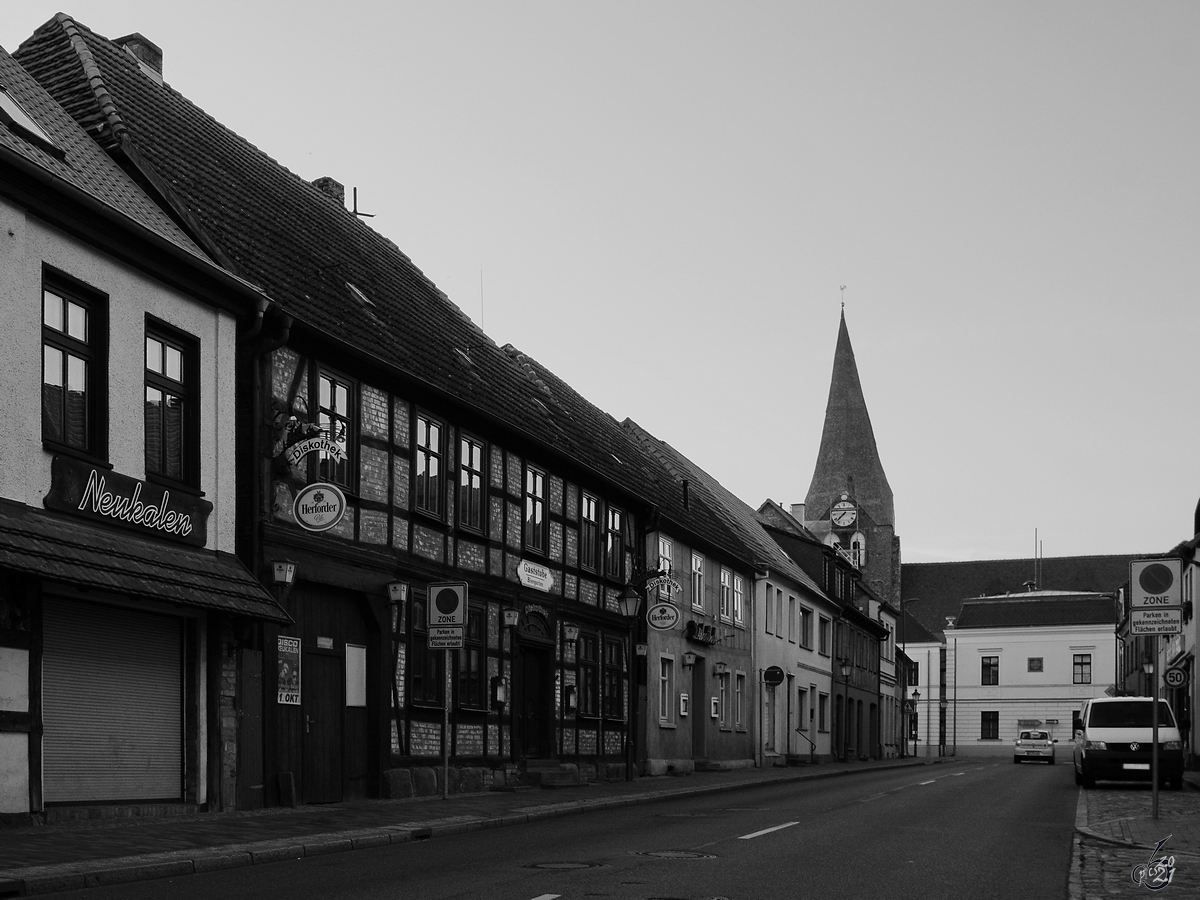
(1154, 675)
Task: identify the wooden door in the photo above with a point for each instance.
(323, 707)
(250, 733)
(533, 712)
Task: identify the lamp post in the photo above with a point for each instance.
(630, 602)
(916, 696)
(844, 668)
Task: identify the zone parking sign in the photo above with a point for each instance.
(447, 603)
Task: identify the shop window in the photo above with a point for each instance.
(614, 677)
(472, 687)
(74, 376)
(470, 484)
(588, 674)
(666, 690)
(171, 420)
(429, 471)
(426, 670)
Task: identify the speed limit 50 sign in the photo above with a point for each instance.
(1174, 677)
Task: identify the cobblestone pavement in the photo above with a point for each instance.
(1116, 836)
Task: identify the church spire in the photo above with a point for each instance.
(848, 461)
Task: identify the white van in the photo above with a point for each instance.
(1114, 739)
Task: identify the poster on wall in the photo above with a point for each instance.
(289, 670)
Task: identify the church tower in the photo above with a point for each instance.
(849, 501)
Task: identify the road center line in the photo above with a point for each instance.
(931, 781)
(547, 897)
(746, 837)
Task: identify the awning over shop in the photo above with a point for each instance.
(59, 547)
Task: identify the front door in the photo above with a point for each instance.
(534, 724)
(322, 692)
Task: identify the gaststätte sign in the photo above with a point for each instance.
(534, 575)
(318, 507)
(662, 616)
(107, 496)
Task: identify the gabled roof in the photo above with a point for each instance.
(933, 591)
(736, 518)
(1038, 608)
(83, 166)
(911, 631)
(848, 459)
(343, 283)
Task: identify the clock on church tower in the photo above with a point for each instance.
(843, 514)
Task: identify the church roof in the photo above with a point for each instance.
(848, 460)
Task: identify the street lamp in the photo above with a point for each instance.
(916, 699)
(844, 668)
(630, 603)
(283, 573)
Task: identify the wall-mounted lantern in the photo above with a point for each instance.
(570, 632)
(720, 668)
(511, 617)
(283, 573)
(689, 659)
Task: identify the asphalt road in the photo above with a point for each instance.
(962, 829)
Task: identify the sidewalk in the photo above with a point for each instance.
(1116, 837)
(44, 859)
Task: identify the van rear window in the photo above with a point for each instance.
(1130, 714)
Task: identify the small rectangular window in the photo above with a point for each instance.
(73, 375)
(697, 581)
(470, 484)
(426, 671)
(472, 687)
(806, 627)
(589, 532)
(823, 712)
(666, 690)
(13, 115)
(739, 700)
(614, 545)
(726, 594)
(1035, 664)
(588, 665)
(823, 636)
(614, 677)
(664, 565)
(739, 600)
(802, 707)
(429, 472)
(1081, 668)
(989, 670)
(535, 510)
(171, 423)
(989, 726)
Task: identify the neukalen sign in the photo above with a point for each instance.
(79, 488)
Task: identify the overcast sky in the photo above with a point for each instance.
(662, 202)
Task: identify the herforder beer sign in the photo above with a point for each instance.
(319, 507)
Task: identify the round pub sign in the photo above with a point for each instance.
(662, 616)
(319, 507)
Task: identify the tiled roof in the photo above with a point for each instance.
(61, 548)
(84, 166)
(911, 631)
(728, 518)
(1038, 609)
(303, 249)
(933, 591)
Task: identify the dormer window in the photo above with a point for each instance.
(20, 122)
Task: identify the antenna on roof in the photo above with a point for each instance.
(355, 210)
(843, 295)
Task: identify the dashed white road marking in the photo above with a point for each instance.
(547, 897)
(746, 837)
(931, 781)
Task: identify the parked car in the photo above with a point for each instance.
(1034, 745)
(1114, 739)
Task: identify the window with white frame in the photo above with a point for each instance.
(791, 618)
(769, 611)
(664, 565)
(535, 509)
(823, 636)
(822, 712)
(802, 707)
(739, 600)
(666, 690)
(723, 706)
(1081, 667)
(739, 700)
(697, 581)
(726, 594)
(589, 531)
(806, 627)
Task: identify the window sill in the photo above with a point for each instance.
(669, 725)
(76, 453)
(170, 484)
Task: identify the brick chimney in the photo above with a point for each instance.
(148, 54)
(331, 188)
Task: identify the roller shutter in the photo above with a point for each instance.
(111, 704)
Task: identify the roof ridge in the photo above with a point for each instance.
(95, 79)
